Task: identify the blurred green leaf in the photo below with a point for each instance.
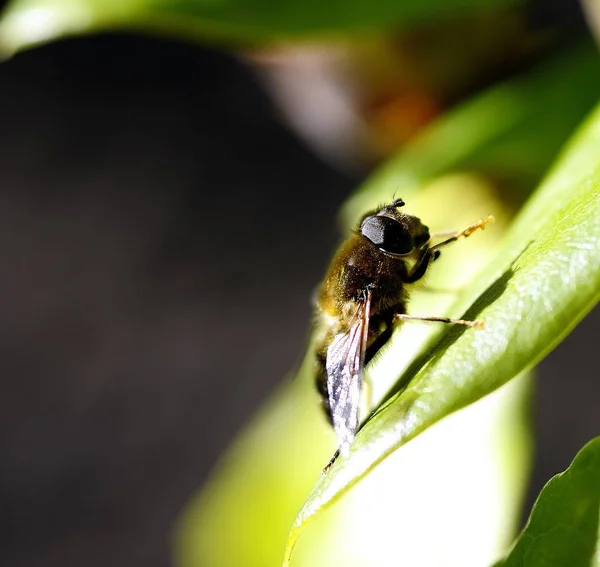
(562, 530)
(543, 281)
(510, 133)
(30, 22)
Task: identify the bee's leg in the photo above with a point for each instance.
(331, 461)
(382, 325)
(432, 253)
(477, 324)
(422, 265)
(480, 224)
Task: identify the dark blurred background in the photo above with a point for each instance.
(161, 233)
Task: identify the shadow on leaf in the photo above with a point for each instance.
(454, 332)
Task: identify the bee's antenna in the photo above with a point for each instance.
(395, 204)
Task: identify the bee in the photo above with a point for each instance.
(362, 299)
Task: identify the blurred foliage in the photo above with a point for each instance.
(510, 133)
(407, 78)
(30, 22)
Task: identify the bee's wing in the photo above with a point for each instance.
(345, 361)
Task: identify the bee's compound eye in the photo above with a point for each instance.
(388, 235)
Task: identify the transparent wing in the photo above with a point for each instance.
(345, 362)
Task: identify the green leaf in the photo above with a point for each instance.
(541, 283)
(562, 530)
(31, 22)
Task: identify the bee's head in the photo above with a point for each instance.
(393, 232)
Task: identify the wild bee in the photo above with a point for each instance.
(363, 297)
